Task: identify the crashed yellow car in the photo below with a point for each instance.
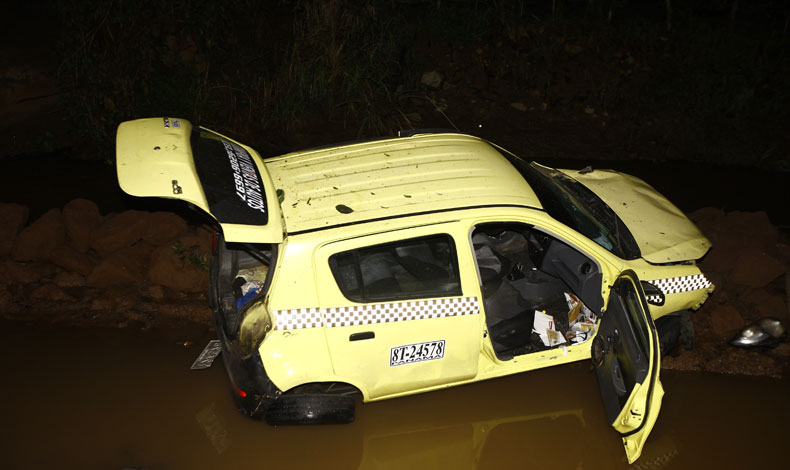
(411, 264)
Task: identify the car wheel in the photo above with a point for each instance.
(311, 409)
(673, 329)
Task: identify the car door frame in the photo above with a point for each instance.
(539, 220)
(639, 411)
(364, 363)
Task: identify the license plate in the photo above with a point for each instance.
(206, 358)
(418, 352)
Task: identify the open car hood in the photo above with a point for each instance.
(664, 234)
(168, 158)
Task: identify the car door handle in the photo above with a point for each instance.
(361, 336)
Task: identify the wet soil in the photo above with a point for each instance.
(113, 399)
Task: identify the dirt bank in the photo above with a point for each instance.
(128, 269)
(748, 264)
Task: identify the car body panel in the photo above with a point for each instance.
(155, 159)
(393, 177)
(306, 351)
(684, 285)
(664, 234)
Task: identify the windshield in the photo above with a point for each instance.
(576, 206)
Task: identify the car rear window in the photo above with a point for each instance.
(230, 179)
(407, 269)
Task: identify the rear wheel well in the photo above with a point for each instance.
(328, 388)
(314, 403)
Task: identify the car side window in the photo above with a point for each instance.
(407, 269)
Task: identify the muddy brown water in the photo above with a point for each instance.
(113, 399)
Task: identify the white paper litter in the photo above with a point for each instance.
(544, 327)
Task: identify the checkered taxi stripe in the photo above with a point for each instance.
(674, 285)
(298, 318)
(375, 313)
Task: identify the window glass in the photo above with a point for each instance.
(576, 206)
(407, 269)
(633, 305)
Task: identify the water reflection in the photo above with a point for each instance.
(115, 399)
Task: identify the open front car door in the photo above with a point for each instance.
(626, 358)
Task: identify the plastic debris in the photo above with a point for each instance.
(765, 333)
(207, 356)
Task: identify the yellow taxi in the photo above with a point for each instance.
(405, 265)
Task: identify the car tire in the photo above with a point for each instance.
(311, 409)
(674, 329)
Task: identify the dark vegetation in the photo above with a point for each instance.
(702, 80)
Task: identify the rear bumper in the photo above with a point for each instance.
(252, 389)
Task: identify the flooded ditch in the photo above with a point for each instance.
(113, 399)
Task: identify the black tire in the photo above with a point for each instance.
(674, 329)
(311, 409)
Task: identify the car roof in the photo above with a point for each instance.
(374, 180)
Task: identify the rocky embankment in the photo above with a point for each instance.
(749, 265)
(77, 266)
(141, 269)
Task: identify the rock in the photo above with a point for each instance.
(725, 320)
(720, 294)
(718, 260)
(754, 296)
(432, 79)
(182, 267)
(204, 236)
(81, 217)
(119, 232)
(156, 292)
(124, 267)
(37, 241)
(755, 228)
(12, 218)
(707, 219)
(163, 228)
(737, 230)
(68, 279)
(123, 296)
(518, 106)
(70, 259)
(755, 268)
(773, 306)
(51, 293)
(12, 272)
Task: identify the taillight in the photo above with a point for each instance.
(214, 233)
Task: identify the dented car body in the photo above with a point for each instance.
(411, 264)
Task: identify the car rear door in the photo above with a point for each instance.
(169, 158)
(397, 313)
(626, 357)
